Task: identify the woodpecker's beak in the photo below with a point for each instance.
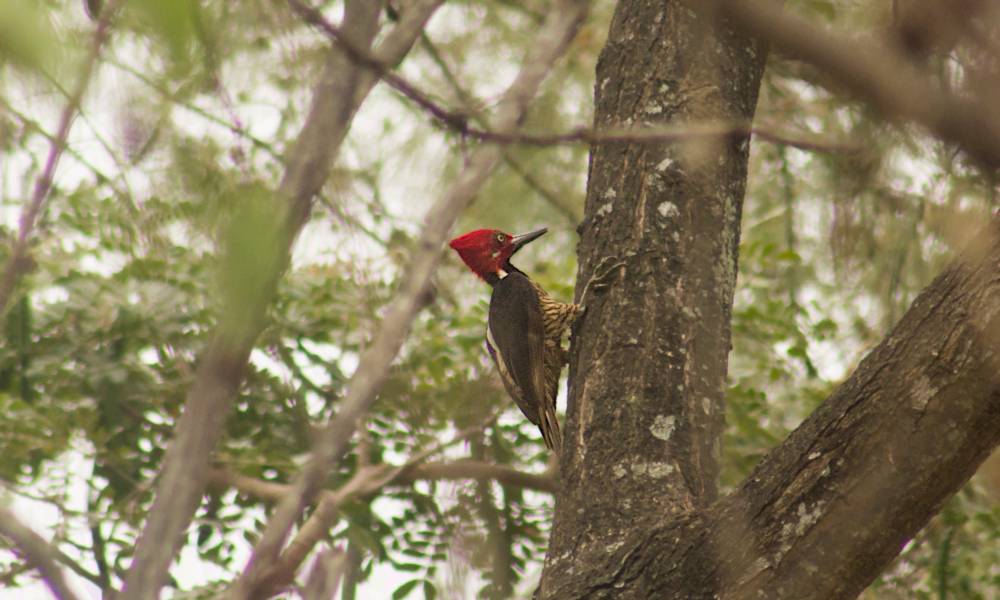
(519, 241)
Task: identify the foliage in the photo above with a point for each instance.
(181, 138)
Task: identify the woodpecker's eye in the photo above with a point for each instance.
(501, 238)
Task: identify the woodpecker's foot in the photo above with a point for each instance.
(599, 281)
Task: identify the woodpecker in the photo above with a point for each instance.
(525, 328)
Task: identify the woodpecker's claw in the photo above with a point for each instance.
(599, 281)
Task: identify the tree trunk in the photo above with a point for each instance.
(825, 512)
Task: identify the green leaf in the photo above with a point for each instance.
(430, 590)
(26, 35)
(405, 589)
(176, 22)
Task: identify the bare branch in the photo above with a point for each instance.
(36, 551)
(325, 575)
(878, 73)
(431, 471)
(472, 469)
(366, 481)
(458, 121)
(657, 135)
(573, 212)
(270, 491)
(19, 261)
(551, 41)
(281, 572)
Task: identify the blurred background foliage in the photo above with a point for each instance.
(182, 132)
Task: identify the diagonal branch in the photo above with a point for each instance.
(566, 207)
(18, 262)
(341, 90)
(32, 124)
(459, 121)
(325, 575)
(178, 100)
(365, 482)
(431, 471)
(550, 43)
(472, 469)
(879, 74)
(36, 552)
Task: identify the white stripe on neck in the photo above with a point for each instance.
(501, 273)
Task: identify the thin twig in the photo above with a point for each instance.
(235, 127)
(34, 125)
(19, 262)
(37, 552)
(573, 213)
(459, 121)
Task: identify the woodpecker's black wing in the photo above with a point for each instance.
(516, 340)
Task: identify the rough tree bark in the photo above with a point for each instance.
(649, 361)
(825, 512)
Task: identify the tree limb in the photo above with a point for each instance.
(458, 121)
(366, 481)
(432, 471)
(471, 469)
(325, 575)
(877, 72)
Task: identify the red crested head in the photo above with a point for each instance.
(487, 252)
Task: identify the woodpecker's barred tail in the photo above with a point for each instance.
(558, 318)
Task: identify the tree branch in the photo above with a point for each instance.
(235, 128)
(571, 211)
(432, 471)
(19, 261)
(458, 121)
(32, 124)
(366, 481)
(325, 575)
(471, 469)
(37, 552)
(878, 73)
